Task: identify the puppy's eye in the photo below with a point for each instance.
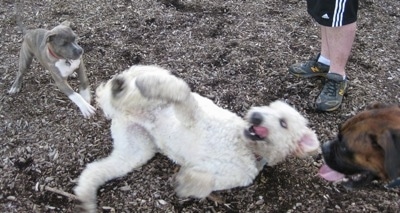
(283, 123)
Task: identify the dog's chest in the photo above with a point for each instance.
(67, 67)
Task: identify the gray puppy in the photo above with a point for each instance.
(58, 52)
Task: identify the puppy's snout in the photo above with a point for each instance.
(78, 51)
(256, 118)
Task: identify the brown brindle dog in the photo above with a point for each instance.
(366, 148)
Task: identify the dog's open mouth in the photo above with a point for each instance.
(256, 132)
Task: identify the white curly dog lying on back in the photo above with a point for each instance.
(153, 111)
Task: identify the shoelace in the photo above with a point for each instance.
(331, 88)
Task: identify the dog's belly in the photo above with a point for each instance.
(67, 67)
(214, 146)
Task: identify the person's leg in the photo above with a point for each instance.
(324, 44)
(336, 46)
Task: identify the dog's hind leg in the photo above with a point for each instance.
(166, 87)
(159, 85)
(126, 156)
(194, 183)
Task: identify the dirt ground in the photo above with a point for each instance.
(235, 52)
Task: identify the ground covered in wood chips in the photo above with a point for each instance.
(235, 52)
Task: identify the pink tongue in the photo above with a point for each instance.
(330, 174)
(262, 132)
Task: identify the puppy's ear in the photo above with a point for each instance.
(66, 23)
(117, 86)
(50, 36)
(390, 142)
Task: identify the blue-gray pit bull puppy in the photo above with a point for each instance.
(58, 52)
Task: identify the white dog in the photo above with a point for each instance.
(153, 111)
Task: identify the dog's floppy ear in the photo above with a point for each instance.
(390, 142)
(117, 86)
(376, 105)
(309, 142)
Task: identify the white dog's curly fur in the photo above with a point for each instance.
(153, 111)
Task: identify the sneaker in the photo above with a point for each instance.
(309, 69)
(331, 95)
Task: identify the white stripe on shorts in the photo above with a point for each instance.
(338, 13)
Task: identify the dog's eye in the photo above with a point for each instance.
(283, 123)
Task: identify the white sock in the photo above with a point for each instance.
(344, 76)
(323, 60)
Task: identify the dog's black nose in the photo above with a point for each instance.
(326, 149)
(78, 51)
(256, 118)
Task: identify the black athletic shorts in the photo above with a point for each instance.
(333, 13)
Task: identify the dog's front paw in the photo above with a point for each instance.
(86, 109)
(85, 93)
(14, 89)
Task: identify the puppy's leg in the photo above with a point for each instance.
(84, 88)
(85, 107)
(126, 156)
(25, 60)
(169, 88)
(194, 183)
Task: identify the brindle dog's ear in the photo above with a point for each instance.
(376, 105)
(390, 142)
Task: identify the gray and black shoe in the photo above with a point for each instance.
(332, 93)
(309, 69)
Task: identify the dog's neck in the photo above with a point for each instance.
(67, 62)
(53, 54)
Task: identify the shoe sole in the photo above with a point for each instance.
(307, 75)
(328, 110)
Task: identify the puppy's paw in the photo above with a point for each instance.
(194, 183)
(85, 93)
(14, 89)
(86, 109)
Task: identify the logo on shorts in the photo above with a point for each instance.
(325, 16)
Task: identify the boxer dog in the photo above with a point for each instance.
(58, 52)
(366, 148)
(153, 111)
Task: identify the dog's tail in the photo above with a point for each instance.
(164, 86)
(18, 16)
